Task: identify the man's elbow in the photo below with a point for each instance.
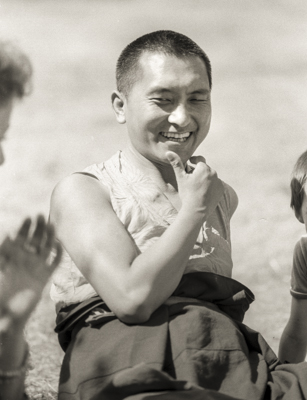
(132, 305)
(133, 313)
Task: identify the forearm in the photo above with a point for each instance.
(162, 265)
(13, 388)
(154, 274)
(13, 352)
(13, 345)
(292, 347)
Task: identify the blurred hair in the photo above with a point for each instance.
(15, 72)
(166, 42)
(298, 182)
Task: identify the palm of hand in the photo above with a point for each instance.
(25, 270)
(22, 279)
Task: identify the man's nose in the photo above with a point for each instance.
(180, 116)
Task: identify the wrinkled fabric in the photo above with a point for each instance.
(186, 350)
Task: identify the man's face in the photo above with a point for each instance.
(169, 107)
(5, 115)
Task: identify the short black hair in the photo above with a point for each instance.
(298, 182)
(15, 72)
(166, 42)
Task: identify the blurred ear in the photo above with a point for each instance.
(118, 103)
(299, 217)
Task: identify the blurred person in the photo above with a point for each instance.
(145, 300)
(25, 263)
(293, 343)
(15, 83)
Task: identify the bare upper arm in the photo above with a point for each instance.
(233, 199)
(91, 232)
(298, 318)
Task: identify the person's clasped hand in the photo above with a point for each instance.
(200, 190)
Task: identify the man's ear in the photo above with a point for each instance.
(118, 104)
(299, 217)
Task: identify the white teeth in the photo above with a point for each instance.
(176, 135)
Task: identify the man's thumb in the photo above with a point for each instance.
(174, 160)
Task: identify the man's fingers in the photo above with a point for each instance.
(46, 247)
(197, 159)
(6, 248)
(23, 232)
(50, 236)
(39, 233)
(175, 161)
(200, 165)
(58, 256)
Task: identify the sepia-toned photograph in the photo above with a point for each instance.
(153, 200)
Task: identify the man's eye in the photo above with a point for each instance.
(161, 100)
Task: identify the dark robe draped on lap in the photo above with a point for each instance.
(187, 350)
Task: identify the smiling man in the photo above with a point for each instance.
(145, 299)
(168, 107)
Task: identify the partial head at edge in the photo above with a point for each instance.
(15, 72)
(297, 185)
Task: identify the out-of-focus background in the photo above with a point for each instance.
(259, 56)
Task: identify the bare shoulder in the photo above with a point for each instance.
(232, 198)
(77, 193)
(300, 249)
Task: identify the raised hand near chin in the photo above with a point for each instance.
(199, 191)
(25, 267)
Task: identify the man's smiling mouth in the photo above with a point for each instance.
(176, 137)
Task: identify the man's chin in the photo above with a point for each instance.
(184, 155)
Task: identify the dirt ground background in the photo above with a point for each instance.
(259, 56)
